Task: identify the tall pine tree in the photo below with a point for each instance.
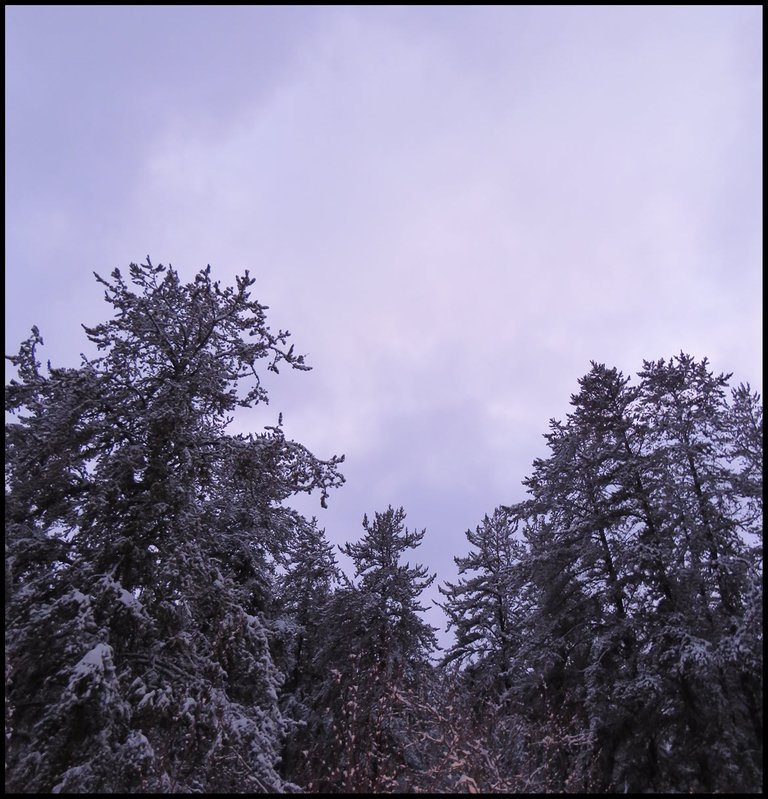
(141, 544)
(375, 660)
(640, 584)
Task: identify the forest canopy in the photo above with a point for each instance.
(173, 625)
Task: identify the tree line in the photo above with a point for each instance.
(173, 626)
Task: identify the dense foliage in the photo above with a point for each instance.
(141, 548)
(618, 611)
(173, 626)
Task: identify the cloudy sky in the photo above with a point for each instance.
(452, 209)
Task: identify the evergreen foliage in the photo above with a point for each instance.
(638, 566)
(370, 667)
(141, 545)
(173, 626)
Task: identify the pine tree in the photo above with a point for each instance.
(486, 605)
(393, 589)
(638, 641)
(636, 550)
(699, 492)
(305, 595)
(304, 591)
(141, 546)
(375, 660)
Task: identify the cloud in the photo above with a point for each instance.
(439, 237)
(453, 210)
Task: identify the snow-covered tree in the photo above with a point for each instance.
(141, 547)
(375, 659)
(643, 575)
(708, 513)
(392, 589)
(305, 594)
(638, 648)
(487, 605)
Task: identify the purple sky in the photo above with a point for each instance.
(452, 209)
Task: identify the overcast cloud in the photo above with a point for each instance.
(452, 209)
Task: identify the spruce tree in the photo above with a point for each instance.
(305, 593)
(141, 546)
(375, 660)
(639, 649)
(485, 605)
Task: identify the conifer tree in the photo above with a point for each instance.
(305, 595)
(141, 545)
(375, 659)
(698, 490)
(486, 605)
(639, 648)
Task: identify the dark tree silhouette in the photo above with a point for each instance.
(141, 543)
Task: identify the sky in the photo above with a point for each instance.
(453, 210)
